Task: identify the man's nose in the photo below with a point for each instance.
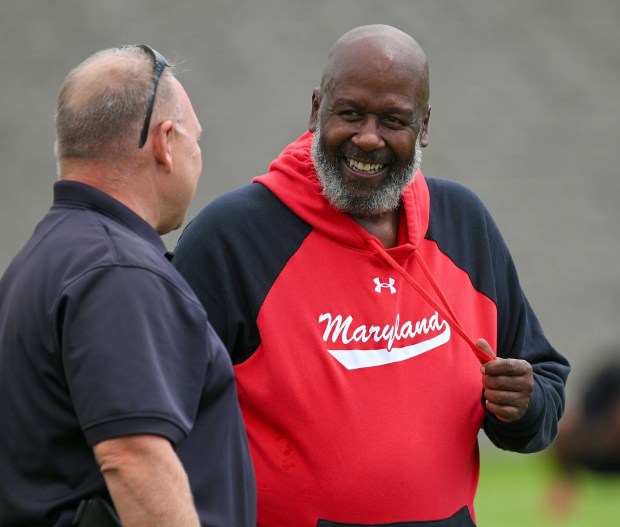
(368, 137)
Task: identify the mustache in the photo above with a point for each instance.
(366, 157)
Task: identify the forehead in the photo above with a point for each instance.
(385, 76)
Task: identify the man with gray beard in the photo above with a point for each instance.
(373, 315)
(344, 194)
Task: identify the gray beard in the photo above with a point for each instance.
(341, 193)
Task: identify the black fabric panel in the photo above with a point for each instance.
(460, 519)
(465, 232)
(232, 253)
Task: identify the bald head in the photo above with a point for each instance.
(378, 48)
(370, 121)
(102, 104)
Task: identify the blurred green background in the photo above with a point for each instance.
(515, 491)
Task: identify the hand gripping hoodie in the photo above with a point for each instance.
(357, 375)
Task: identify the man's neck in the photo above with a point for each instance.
(132, 190)
(384, 227)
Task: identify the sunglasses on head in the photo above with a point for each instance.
(159, 63)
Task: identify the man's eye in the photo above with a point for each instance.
(349, 115)
(393, 122)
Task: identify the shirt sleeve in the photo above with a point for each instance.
(231, 253)
(465, 230)
(520, 336)
(134, 352)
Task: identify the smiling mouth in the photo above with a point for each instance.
(369, 168)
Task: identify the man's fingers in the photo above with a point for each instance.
(508, 368)
(483, 345)
(504, 413)
(505, 398)
(508, 386)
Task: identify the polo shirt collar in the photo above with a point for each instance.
(77, 194)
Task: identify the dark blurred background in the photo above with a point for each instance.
(525, 103)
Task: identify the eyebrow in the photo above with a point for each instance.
(408, 113)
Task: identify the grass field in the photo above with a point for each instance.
(513, 492)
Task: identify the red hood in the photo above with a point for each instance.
(293, 179)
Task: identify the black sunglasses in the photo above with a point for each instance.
(159, 63)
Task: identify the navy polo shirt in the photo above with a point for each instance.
(100, 337)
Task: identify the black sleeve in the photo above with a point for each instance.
(231, 254)
(465, 231)
(134, 352)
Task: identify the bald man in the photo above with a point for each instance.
(365, 305)
(114, 391)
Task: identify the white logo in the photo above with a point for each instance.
(383, 285)
(337, 328)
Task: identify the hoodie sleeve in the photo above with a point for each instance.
(520, 336)
(465, 231)
(231, 254)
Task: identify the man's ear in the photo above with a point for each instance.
(424, 129)
(162, 147)
(315, 110)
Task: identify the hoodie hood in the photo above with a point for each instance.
(293, 179)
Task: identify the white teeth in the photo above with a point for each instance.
(366, 167)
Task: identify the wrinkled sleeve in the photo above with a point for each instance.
(520, 336)
(134, 353)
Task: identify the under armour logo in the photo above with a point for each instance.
(384, 285)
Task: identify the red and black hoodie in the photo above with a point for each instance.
(360, 390)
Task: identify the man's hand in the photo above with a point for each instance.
(508, 385)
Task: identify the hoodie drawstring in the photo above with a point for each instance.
(446, 312)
